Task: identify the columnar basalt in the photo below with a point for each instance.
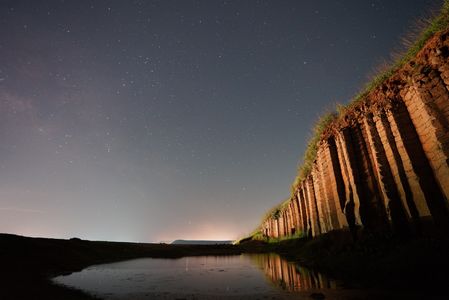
(383, 165)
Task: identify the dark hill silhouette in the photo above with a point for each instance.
(200, 242)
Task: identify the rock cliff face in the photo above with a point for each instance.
(384, 164)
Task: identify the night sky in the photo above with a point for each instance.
(157, 120)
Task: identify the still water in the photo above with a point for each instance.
(261, 276)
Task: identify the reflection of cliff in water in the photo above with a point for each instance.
(290, 276)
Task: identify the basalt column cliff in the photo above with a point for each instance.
(384, 163)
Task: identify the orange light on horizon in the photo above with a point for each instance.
(204, 231)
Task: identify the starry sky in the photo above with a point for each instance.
(156, 120)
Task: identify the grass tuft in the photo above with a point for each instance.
(414, 43)
(312, 147)
(427, 28)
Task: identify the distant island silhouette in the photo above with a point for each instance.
(200, 242)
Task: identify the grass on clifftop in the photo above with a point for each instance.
(414, 43)
(312, 146)
(426, 28)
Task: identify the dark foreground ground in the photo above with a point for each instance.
(26, 263)
(419, 263)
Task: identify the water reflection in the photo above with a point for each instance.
(290, 276)
(208, 276)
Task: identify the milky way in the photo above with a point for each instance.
(157, 120)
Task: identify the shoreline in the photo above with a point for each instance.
(29, 264)
(373, 262)
(417, 263)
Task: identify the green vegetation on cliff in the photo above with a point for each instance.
(429, 27)
(426, 29)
